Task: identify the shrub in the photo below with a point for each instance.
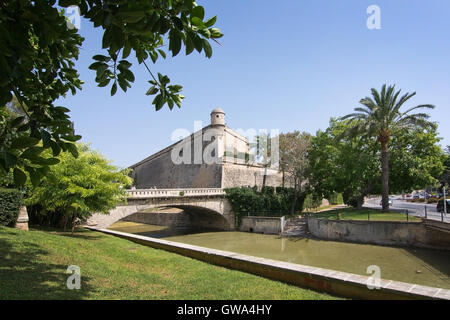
(312, 201)
(75, 188)
(248, 201)
(268, 190)
(10, 202)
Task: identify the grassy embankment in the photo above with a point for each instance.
(365, 214)
(33, 265)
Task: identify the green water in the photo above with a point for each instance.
(421, 266)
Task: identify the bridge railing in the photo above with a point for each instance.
(163, 193)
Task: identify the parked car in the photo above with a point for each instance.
(391, 201)
(416, 196)
(440, 206)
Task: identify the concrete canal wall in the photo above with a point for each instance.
(266, 225)
(391, 233)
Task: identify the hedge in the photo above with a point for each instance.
(10, 202)
(249, 201)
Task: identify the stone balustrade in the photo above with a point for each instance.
(164, 193)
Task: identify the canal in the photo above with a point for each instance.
(420, 266)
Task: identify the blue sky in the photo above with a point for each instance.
(287, 65)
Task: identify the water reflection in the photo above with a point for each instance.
(421, 266)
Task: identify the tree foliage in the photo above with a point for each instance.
(294, 159)
(444, 179)
(350, 164)
(38, 50)
(346, 165)
(77, 187)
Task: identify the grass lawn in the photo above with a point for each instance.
(362, 214)
(33, 265)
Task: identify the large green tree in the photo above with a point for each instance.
(347, 165)
(77, 187)
(381, 117)
(416, 160)
(350, 164)
(38, 50)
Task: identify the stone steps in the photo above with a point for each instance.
(295, 227)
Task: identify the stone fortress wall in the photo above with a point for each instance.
(181, 165)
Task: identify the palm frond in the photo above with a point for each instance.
(428, 106)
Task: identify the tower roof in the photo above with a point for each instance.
(218, 110)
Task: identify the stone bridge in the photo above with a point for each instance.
(203, 207)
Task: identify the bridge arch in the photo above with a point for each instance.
(206, 208)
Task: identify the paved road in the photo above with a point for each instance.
(417, 209)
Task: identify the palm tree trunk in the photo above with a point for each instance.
(384, 176)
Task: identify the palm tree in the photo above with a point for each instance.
(381, 117)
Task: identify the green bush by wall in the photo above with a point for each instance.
(10, 202)
(312, 201)
(249, 201)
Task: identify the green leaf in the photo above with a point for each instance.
(19, 177)
(114, 89)
(198, 12)
(17, 121)
(163, 79)
(211, 22)
(162, 53)
(189, 42)
(23, 142)
(127, 74)
(126, 50)
(158, 102)
(175, 42)
(56, 150)
(35, 176)
(207, 48)
(101, 58)
(198, 23)
(132, 16)
(96, 65)
(72, 149)
(10, 160)
(71, 138)
(46, 138)
(31, 153)
(152, 90)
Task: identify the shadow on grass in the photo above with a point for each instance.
(25, 275)
(79, 233)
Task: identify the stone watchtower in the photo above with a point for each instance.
(218, 117)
